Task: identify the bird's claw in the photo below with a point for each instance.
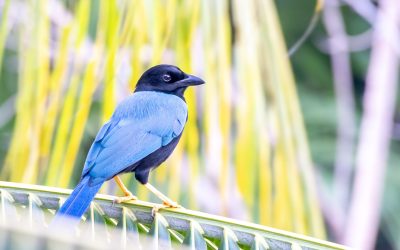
(124, 199)
(166, 204)
(171, 204)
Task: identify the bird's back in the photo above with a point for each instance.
(142, 125)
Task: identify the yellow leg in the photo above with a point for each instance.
(166, 201)
(128, 195)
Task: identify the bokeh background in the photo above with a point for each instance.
(307, 143)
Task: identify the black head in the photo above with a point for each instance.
(166, 78)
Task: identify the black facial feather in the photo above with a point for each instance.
(168, 79)
(163, 78)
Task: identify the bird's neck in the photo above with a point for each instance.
(178, 92)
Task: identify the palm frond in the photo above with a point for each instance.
(193, 229)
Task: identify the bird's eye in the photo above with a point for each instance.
(166, 77)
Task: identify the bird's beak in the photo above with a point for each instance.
(191, 80)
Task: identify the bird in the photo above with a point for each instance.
(141, 134)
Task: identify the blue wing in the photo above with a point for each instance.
(140, 126)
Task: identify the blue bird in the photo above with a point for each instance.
(141, 134)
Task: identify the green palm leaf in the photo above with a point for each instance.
(134, 223)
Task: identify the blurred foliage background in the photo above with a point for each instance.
(65, 65)
(315, 83)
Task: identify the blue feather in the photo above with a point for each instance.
(141, 124)
(80, 199)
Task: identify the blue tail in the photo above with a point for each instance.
(77, 203)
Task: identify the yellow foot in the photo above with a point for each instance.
(169, 204)
(125, 198)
